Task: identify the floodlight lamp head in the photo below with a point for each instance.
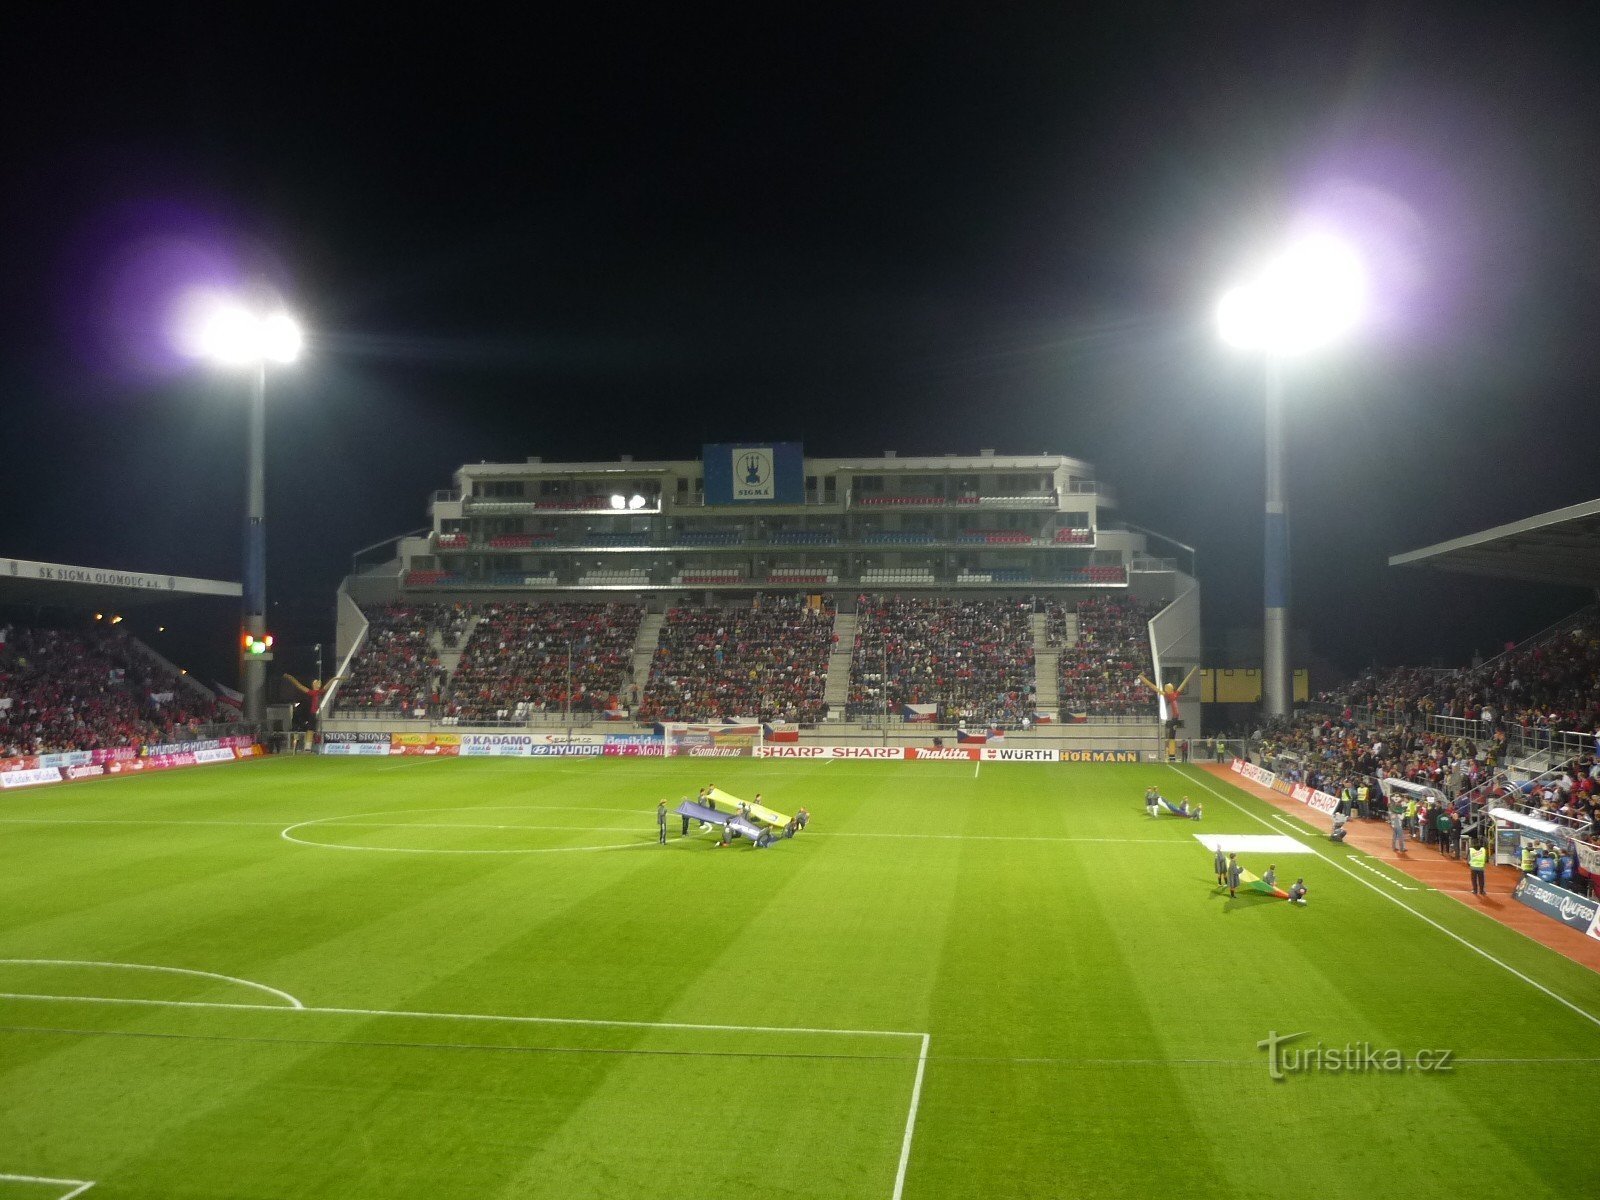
(224, 331)
(619, 502)
(1311, 294)
(636, 501)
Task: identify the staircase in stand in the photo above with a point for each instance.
(1046, 694)
(449, 660)
(838, 689)
(644, 648)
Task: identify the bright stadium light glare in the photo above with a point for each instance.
(220, 329)
(214, 326)
(228, 335)
(1311, 294)
(619, 502)
(281, 338)
(636, 501)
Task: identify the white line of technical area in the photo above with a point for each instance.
(78, 1186)
(1534, 983)
(1357, 860)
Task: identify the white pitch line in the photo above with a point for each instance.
(911, 1120)
(78, 1186)
(282, 822)
(1534, 983)
(337, 822)
(997, 837)
(1383, 875)
(1358, 860)
(590, 1022)
(127, 966)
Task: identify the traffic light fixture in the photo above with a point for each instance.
(253, 646)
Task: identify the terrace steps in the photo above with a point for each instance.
(1047, 696)
(644, 648)
(449, 660)
(837, 691)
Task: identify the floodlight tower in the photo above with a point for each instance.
(232, 335)
(1311, 294)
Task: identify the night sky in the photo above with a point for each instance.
(904, 227)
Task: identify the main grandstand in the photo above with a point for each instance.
(881, 594)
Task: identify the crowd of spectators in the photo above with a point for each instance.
(517, 660)
(1099, 673)
(398, 665)
(972, 658)
(66, 690)
(1347, 759)
(1334, 753)
(1550, 684)
(765, 659)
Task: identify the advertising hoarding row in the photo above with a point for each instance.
(1311, 797)
(633, 745)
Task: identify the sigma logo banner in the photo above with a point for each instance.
(1556, 902)
(754, 473)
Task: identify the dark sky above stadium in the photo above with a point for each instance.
(919, 228)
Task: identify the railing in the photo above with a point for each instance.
(445, 581)
(220, 729)
(878, 720)
(1520, 739)
(1176, 552)
(435, 715)
(1167, 630)
(1567, 623)
(368, 556)
(1144, 564)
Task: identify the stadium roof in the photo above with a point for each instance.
(25, 582)
(1560, 547)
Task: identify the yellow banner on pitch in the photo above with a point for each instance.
(730, 803)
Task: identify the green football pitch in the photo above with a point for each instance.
(439, 978)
